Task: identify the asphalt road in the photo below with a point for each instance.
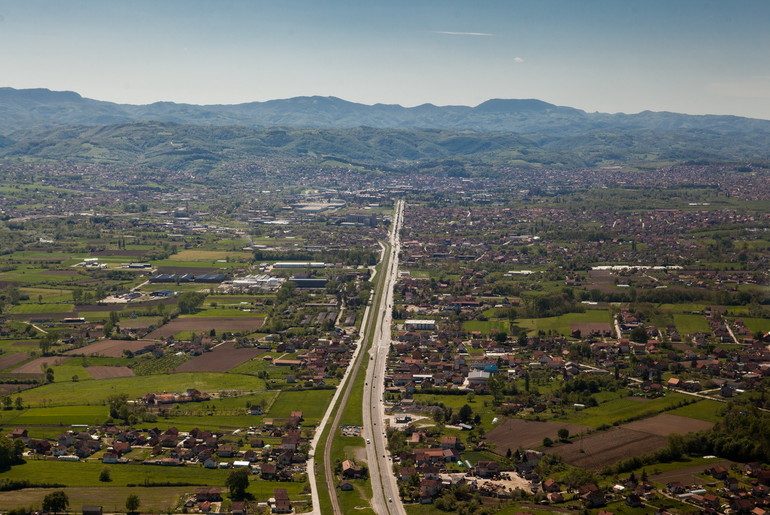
(385, 498)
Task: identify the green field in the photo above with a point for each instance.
(34, 275)
(487, 326)
(54, 416)
(96, 392)
(689, 324)
(709, 411)
(561, 324)
(48, 294)
(112, 499)
(29, 309)
(758, 324)
(621, 409)
(312, 404)
(86, 475)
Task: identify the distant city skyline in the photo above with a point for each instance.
(687, 56)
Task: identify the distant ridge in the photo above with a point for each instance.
(22, 109)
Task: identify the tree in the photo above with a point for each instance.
(190, 301)
(105, 475)
(496, 386)
(49, 375)
(56, 501)
(132, 503)
(563, 433)
(465, 413)
(238, 482)
(639, 335)
(116, 402)
(547, 442)
(19, 404)
(10, 452)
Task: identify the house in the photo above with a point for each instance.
(718, 472)
(404, 473)
(555, 497)
(591, 495)
(429, 488)
(121, 448)
(732, 484)
(19, 433)
(208, 493)
(267, 470)
(282, 503)
(551, 485)
(676, 487)
(487, 468)
(238, 508)
(449, 442)
(351, 470)
(92, 510)
(226, 451)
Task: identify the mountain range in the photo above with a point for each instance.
(46, 124)
(42, 108)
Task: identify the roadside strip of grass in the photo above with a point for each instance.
(353, 410)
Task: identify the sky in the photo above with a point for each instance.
(687, 56)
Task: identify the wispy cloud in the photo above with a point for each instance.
(518, 59)
(483, 34)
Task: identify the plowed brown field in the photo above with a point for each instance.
(100, 372)
(513, 433)
(221, 359)
(206, 324)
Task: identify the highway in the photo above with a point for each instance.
(385, 498)
(384, 486)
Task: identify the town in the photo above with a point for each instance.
(554, 340)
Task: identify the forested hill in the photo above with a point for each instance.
(42, 108)
(196, 147)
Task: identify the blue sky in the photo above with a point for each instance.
(692, 56)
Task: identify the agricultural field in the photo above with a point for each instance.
(35, 309)
(38, 366)
(96, 392)
(205, 325)
(111, 348)
(666, 424)
(691, 324)
(312, 403)
(757, 324)
(223, 358)
(608, 447)
(9, 360)
(707, 410)
(689, 474)
(564, 324)
(210, 255)
(102, 372)
(621, 409)
(514, 433)
(62, 416)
